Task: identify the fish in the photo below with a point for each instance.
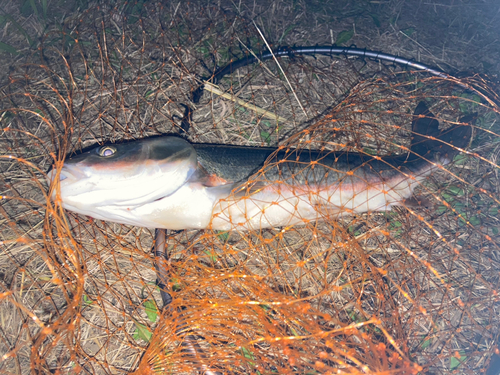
(167, 182)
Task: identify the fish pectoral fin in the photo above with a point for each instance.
(208, 179)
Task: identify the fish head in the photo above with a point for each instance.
(124, 175)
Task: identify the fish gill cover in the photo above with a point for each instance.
(410, 290)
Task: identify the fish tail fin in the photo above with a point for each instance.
(425, 127)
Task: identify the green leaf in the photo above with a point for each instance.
(425, 344)
(8, 48)
(475, 220)
(353, 315)
(266, 137)
(151, 310)
(265, 307)
(397, 224)
(456, 191)
(142, 332)
(211, 255)
(460, 159)
(285, 33)
(454, 362)
(369, 151)
(223, 236)
(176, 285)
(353, 231)
(447, 197)
(248, 355)
(474, 97)
(266, 123)
(375, 19)
(344, 36)
(44, 8)
(441, 210)
(20, 28)
(494, 211)
(409, 31)
(34, 8)
(87, 300)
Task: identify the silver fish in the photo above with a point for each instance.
(166, 182)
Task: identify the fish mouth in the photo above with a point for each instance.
(66, 174)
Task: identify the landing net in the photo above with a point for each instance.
(411, 290)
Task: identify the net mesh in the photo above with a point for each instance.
(414, 289)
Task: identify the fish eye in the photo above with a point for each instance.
(106, 151)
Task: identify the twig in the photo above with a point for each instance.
(279, 66)
(210, 87)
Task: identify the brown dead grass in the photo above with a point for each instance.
(405, 291)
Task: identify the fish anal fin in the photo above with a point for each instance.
(250, 188)
(234, 192)
(417, 202)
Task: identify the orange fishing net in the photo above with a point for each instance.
(411, 290)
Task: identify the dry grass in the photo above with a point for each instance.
(412, 290)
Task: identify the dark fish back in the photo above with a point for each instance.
(314, 167)
(231, 163)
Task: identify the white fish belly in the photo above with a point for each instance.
(194, 206)
(280, 205)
